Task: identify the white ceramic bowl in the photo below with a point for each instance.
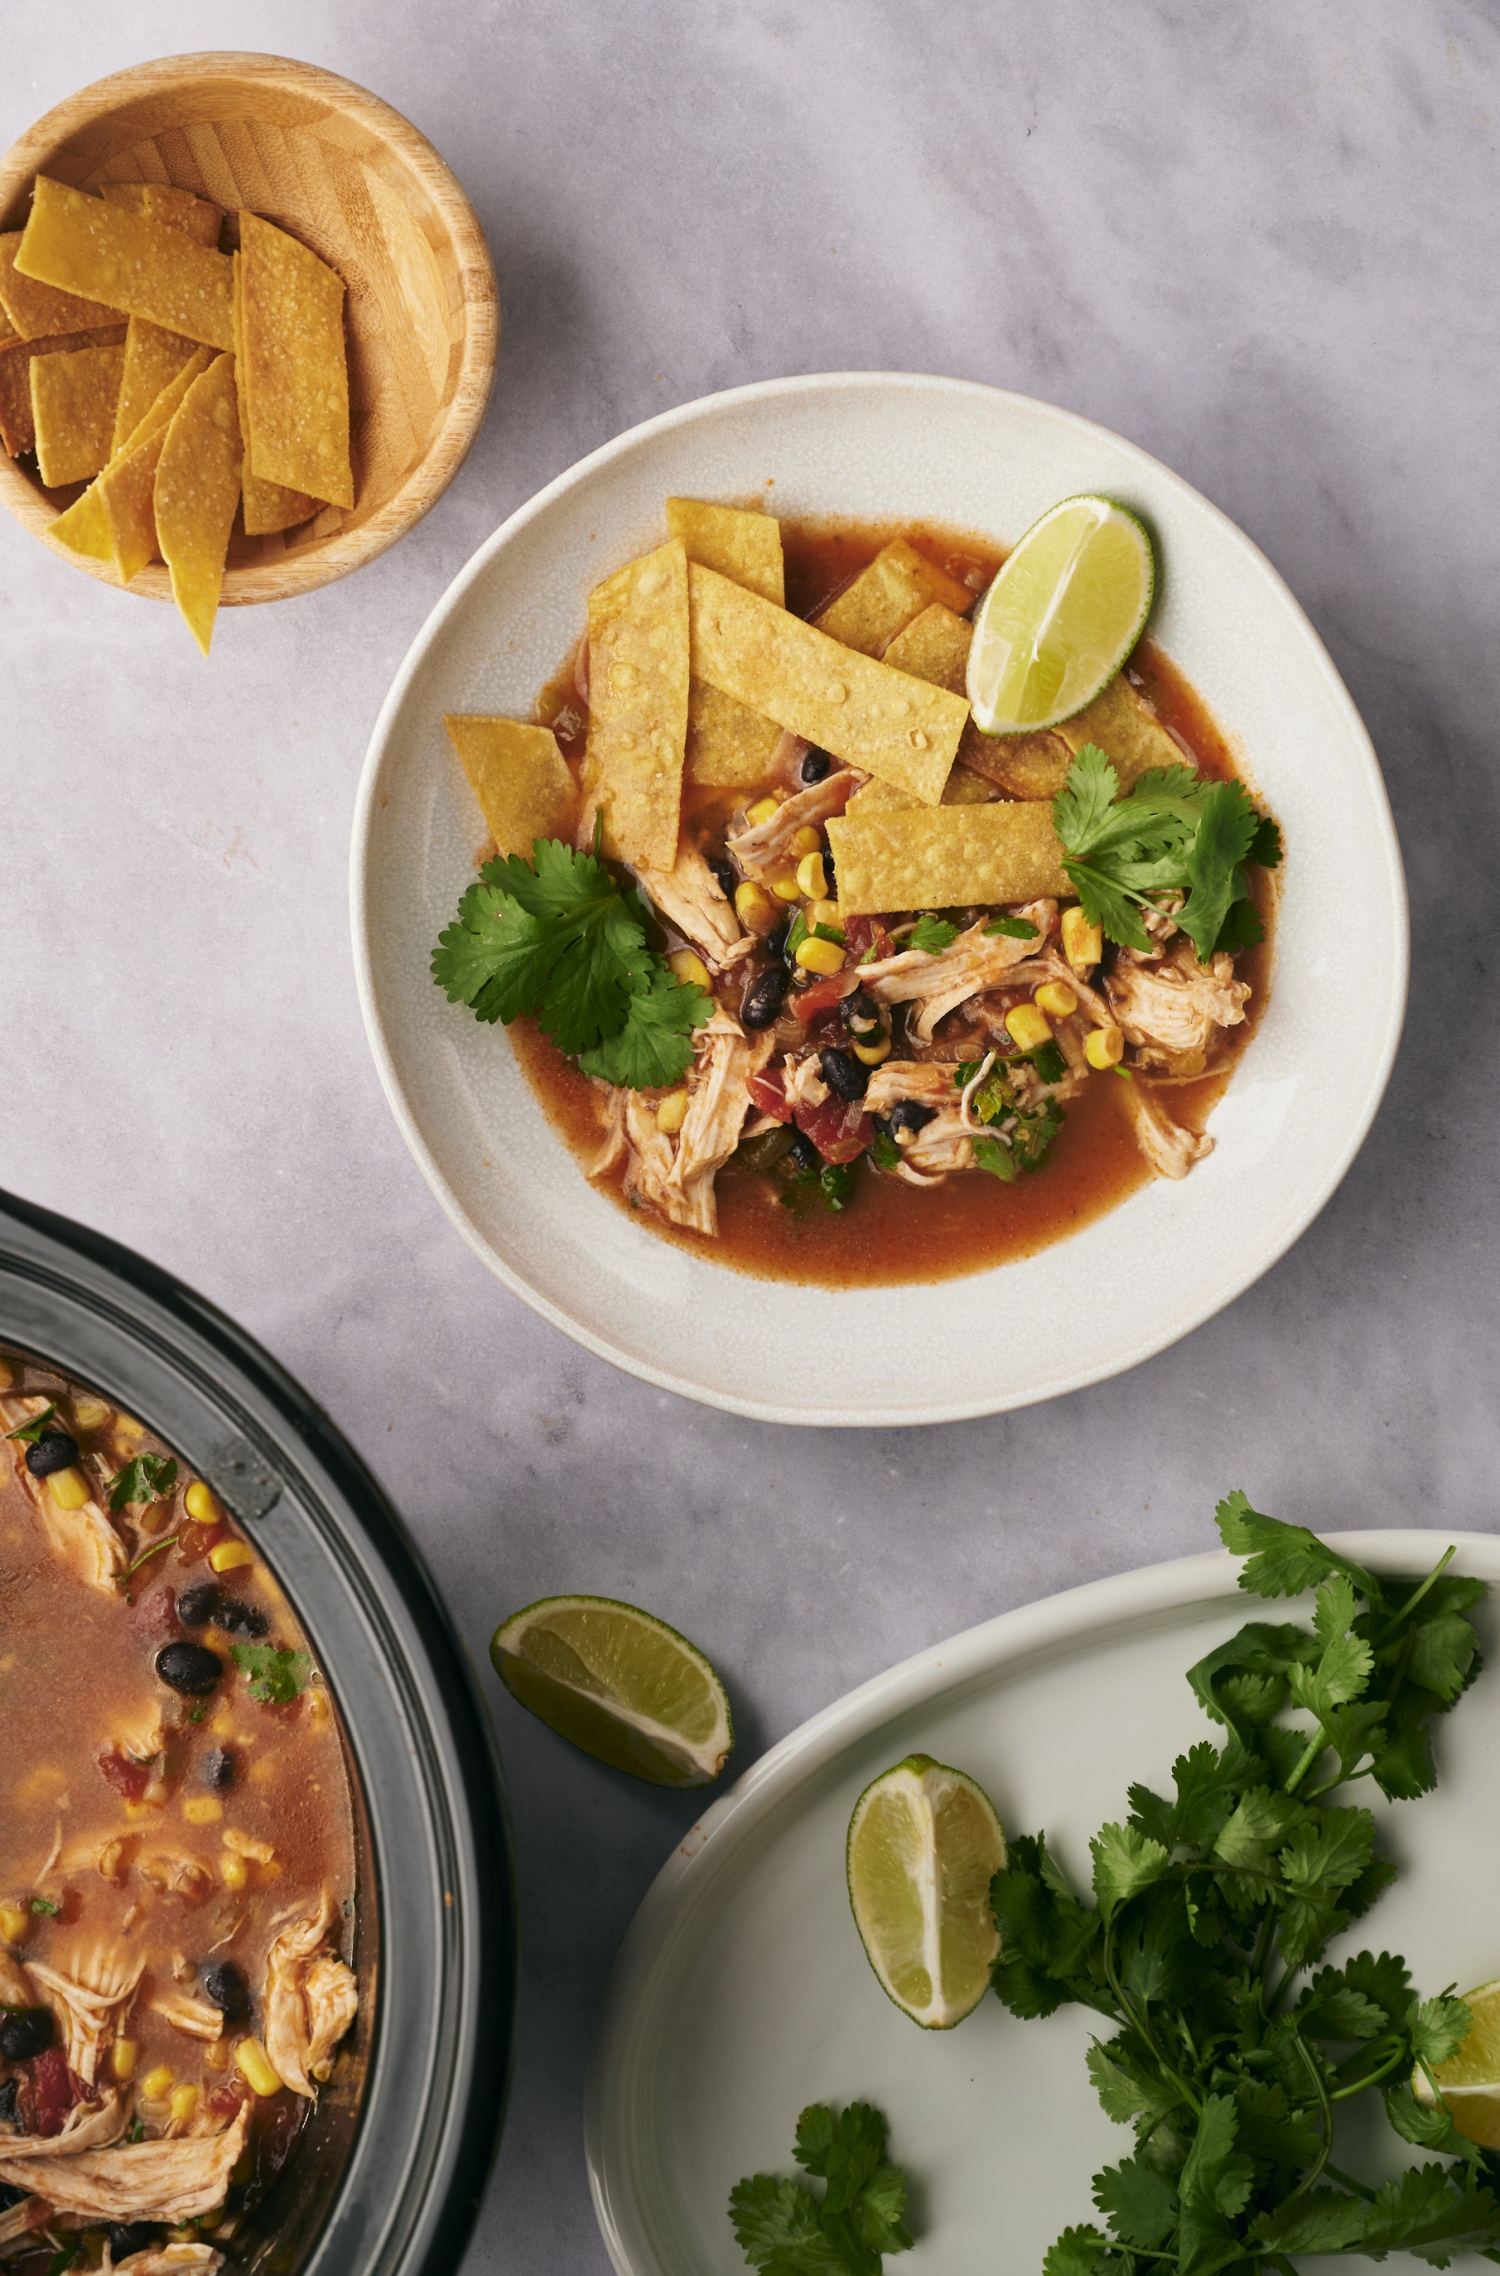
(885, 446)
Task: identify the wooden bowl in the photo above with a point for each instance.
(349, 176)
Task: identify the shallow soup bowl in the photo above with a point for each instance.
(883, 447)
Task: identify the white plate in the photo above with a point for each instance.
(742, 1991)
(883, 446)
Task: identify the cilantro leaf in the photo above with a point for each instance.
(1138, 2201)
(1325, 2221)
(1125, 1862)
(1226, 829)
(932, 934)
(1082, 805)
(1437, 2029)
(1434, 2211)
(274, 1675)
(655, 1045)
(990, 1154)
(30, 1432)
(885, 1150)
(785, 2230)
(1174, 831)
(146, 1478)
(1010, 928)
(1082, 2252)
(1281, 1559)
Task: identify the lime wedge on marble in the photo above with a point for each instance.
(924, 1845)
(619, 1683)
(1061, 617)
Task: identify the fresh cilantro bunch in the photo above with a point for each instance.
(785, 2230)
(558, 937)
(1234, 2052)
(1174, 833)
(1023, 1138)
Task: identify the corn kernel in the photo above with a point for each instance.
(821, 956)
(122, 2059)
(807, 840)
(184, 2103)
(812, 878)
(15, 1923)
(317, 1708)
(229, 1555)
(873, 1053)
(1104, 1047)
(1083, 943)
(254, 2065)
(202, 1810)
(200, 1504)
(69, 1488)
(1054, 996)
(756, 910)
(1028, 1027)
(785, 887)
(234, 1872)
(762, 811)
(90, 1413)
(825, 913)
(671, 1112)
(157, 2083)
(689, 968)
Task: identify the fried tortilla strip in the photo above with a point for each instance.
(268, 505)
(743, 546)
(729, 746)
(17, 427)
(296, 376)
(37, 311)
(881, 721)
(153, 358)
(7, 329)
(129, 262)
(935, 647)
(519, 777)
(1022, 766)
(946, 857)
(179, 209)
(638, 703)
(963, 788)
(197, 491)
(888, 592)
(73, 398)
(1121, 722)
(115, 519)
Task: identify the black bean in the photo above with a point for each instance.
(816, 766)
(25, 2032)
(803, 1155)
(189, 1668)
(724, 874)
(776, 942)
(860, 1010)
(54, 1450)
(764, 998)
(223, 1986)
(242, 1619)
(218, 1770)
(843, 1074)
(127, 2237)
(911, 1115)
(197, 1605)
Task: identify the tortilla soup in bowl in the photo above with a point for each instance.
(813, 1008)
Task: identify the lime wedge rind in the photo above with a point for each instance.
(620, 1685)
(1061, 617)
(924, 1843)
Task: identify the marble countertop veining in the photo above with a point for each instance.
(1263, 245)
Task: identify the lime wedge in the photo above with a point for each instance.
(1470, 2080)
(620, 1684)
(924, 1844)
(1062, 616)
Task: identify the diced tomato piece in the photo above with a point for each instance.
(822, 995)
(840, 1132)
(54, 2090)
(194, 1541)
(156, 1614)
(127, 1778)
(861, 934)
(768, 1092)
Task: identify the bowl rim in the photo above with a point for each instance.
(426, 1772)
(1151, 1340)
(325, 560)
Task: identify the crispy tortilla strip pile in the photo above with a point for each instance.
(519, 777)
(946, 857)
(115, 519)
(728, 745)
(1120, 721)
(638, 703)
(128, 261)
(884, 598)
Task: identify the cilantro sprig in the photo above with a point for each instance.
(1175, 832)
(274, 1675)
(29, 1433)
(560, 938)
(784, 2229)
(1212, 1907)
(145, 1478)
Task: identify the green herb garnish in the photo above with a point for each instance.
(828, 932)
(1212, 1908)
(562, 940)
(30, 1432)
(785, 2230)
(885, 1150)
(1175, 832)
(1027, 1137)
(796, 934)
(155, 1550)
(832, 1183)
(933, 934)
(147, 1478)
(44, 1904)
(1011, 928)
(274, 1675)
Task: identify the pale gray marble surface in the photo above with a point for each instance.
(1263, 244)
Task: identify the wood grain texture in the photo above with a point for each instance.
(354, 180)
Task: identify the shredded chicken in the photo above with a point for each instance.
(929, 1081)
(690, 897)
(1170, 1010)
(975, 961)
(90, 2003)
(765, 846)
(177, 1875)
(29, 2214)
(196, 2017)
(1169, 1149)
(140, 2181)
(300, 2038)
(720, 1100)
(165, 2260)
(83, 1538)
(88, 2126)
